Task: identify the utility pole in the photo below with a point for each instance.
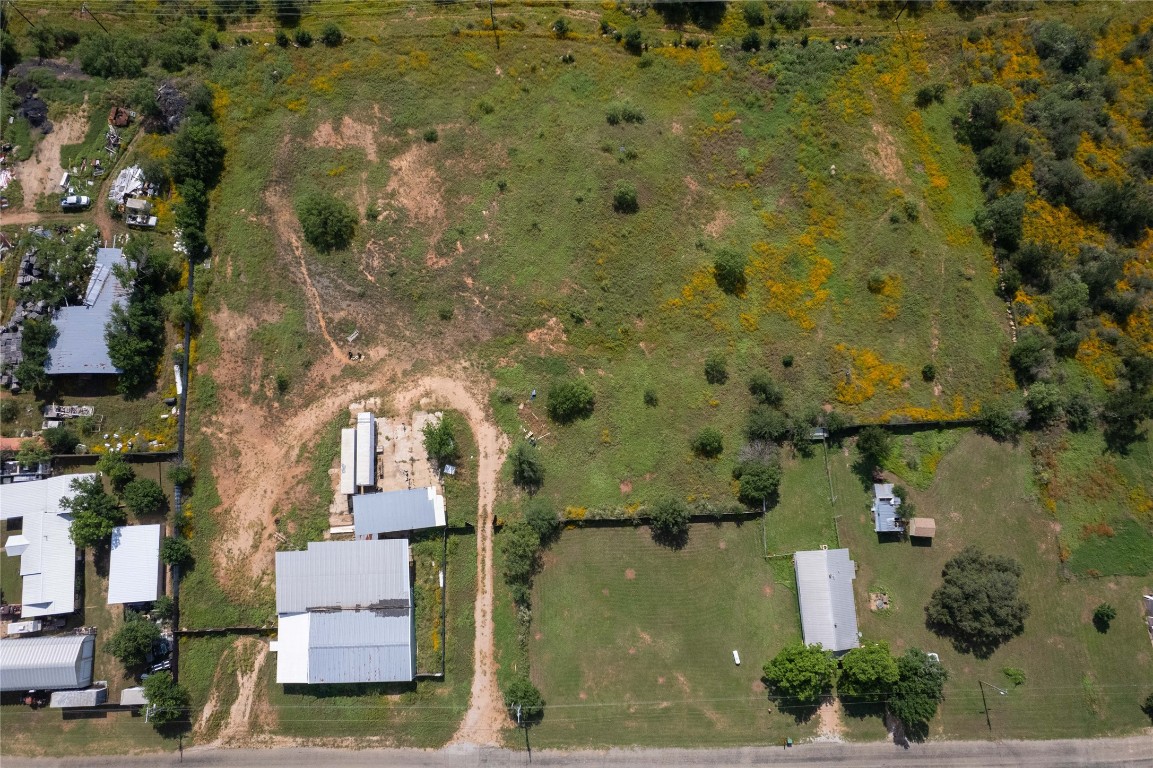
(981, 684)
(492, 20)
(84, 9)
(12, 5)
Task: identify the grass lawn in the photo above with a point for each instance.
(632, 642)
(1080, 682)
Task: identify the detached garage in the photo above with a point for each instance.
(135, 574)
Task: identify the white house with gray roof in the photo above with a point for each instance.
(345, 613)
(79, 347)
(825, 593)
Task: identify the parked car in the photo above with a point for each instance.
(75, 202)
(161, 648)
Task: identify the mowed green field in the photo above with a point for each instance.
(1080, 682)
(603, 642)
(632, 642)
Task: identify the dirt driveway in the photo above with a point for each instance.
(41, 173)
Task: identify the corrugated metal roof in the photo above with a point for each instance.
(48, 562)
(343, 574)
(348, 461)
(885, 512)
(35, 496)
(365, 449)
(79, 346)
(825, 592)
(394, 511)
(46, 663)
(345, 613)
(134, 568)
(89, 697)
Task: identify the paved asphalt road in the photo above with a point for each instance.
(1128, 752)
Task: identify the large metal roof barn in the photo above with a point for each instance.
(79, 347)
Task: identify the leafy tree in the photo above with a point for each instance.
(729, 270)
(767, 424)
(801, 674)
(109, 56)
(328, 224)
(751, 41)
(197, 152)
(135, 332)
(60, 440)
(634, 42)
(9, 412)
(927, 94)
(520, 693)
(1147, 706)
(754, 13)
(929, 372)
(716, 370)
(868, 671)
(1103, 616)
(1044, 404)
(520, 547)
(440, 441)
(288, 12)
(977, 604)
(282, 39)
(527, 467)
(560, 28)
(331, 35)
(303, 38)
(180, 474)
(167, 700)
(1124, 414)
(9, 53)
(758, 482)
(625, 198)
(874, 445)
(543, 519)
(920, 687)
(133, 641)
(793, 16)
(144, 497)
(1000, 220)
(981, 115)
(709, 443)
(764, 390)
(118, 471)
(1059, 44)
(32, 453)
(570, 400)
(164, 607)
(1032, 356)
(999, 421)
(37, 337)
(669, 520)
(176, 551)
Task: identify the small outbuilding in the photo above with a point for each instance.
(135, 573)
(886, 517)
(365, 449)
(55, 663)
(922, 527)
(375, 514)
(133, 697)
(88, 697)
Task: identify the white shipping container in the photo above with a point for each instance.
(348, 461)
(365, 449)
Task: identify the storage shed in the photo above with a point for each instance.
(365, 449)
(59, 662)
(135, 573)
(886, 517)
(923, 527)
(88, 697)
(348, 461)
(825, 593)
(397, 511)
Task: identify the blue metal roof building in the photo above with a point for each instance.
(886, 512)
(79, 347)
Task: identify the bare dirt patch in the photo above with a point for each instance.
(719, 224)
(626, 487)
(767, 590)
(883, 158)
(416, 188)
(552, 336)
(830, 721)
(240, 715)
(349, 133)
(41, 173)
(630, 574)
(878, 601)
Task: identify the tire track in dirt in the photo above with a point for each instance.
(485, 717)
(284, 220)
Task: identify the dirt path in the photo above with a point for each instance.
(240, 716)
(41, 172)
(830, 717)
(485, 718)
(284, 220)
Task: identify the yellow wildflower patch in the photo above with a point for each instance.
(1058, 228)
(863, 371)
(1099, 359)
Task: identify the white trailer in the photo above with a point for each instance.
(348, 461)
(365, 449)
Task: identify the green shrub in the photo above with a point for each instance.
(1103, 616)
(792, 16)
(331, 35)
(303, 38)
(651, 399)
(999, 421)
(758, 482)
(60, 440)
(623, 113)
(874, 444)
(119, 473)
(716, 369)
(1016, 675)
(754, 13)
(541, 516)
(176, 551)
(669, 520)
(527, 467)
(431, 136)
(709, 443)
(570, 400)
(767, 423)
(929, 372)
(560, 28)
(440, 441)
(522, 699)
(327, 223)
(167, 700)
(282, 39)
(927, 94)
(729, 270)
(634, 42)
(751, 41)
(145, 497)
(133, 641)
(625, 198)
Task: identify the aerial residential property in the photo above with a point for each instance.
(545, 382)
